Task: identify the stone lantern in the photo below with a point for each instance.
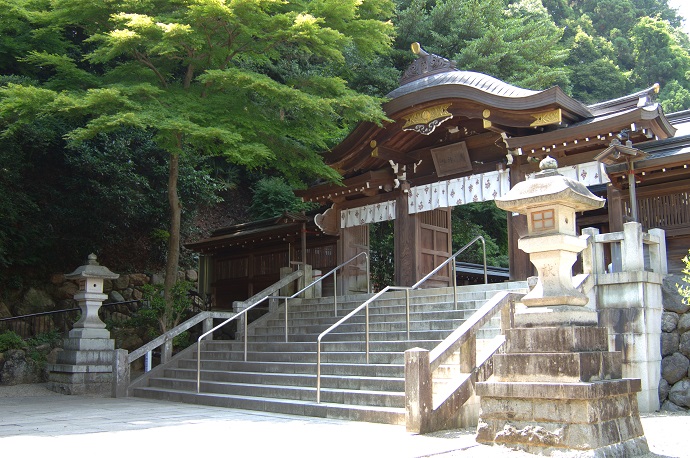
(556, 390)
(550, 202)
(85, 364)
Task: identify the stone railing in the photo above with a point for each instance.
(627, 297)
(631, 250)
(438, 383)
(123, 359)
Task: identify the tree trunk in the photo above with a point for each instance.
(174, 240)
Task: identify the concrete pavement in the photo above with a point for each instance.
(52, 425)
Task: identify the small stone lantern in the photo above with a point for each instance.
(550, 202)
(86, 363)
(90, 296)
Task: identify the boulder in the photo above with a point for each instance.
(138, 279)
(664, 388)
(668, 406)
(671, 299)
(121, 282)
(180, 275)
(674, 368)
(35, 301)
(4, 311)
(191, 275)
(57, 279)
(158, 278)
(19, 369)
(51, 358)
(137, 295)
(684, 344)
(66, 291)
(680, 393)
(669, 321)
(127, 293)
(132, 342)
(669, 343)
(107, 285)
(684, 323)
(115, 296)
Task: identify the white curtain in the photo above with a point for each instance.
(384, 211)
(459, 191)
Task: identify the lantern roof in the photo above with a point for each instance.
(92, 270)
(549, 187)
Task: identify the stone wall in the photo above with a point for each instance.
(674, 389)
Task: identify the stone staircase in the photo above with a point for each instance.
(281, 377)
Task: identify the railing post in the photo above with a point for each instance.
(590, 262)
(631, 247)
(657, 252)
(206, 326)
(507, 316)
(121, 374)
(335, 293)
(368, 274)
(407, 312)
(468, 355)
(286, 319)
(366, 330)
(418, 390)
(166, 350)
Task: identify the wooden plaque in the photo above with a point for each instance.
(451, 159)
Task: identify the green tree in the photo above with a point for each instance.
(273, 196)
(514, 41)
(199, 74)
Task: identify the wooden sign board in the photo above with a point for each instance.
(451, 159)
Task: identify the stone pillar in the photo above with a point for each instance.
(85, 366)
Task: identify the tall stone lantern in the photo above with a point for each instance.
(556, 389)
(550, 202)
(85, 364)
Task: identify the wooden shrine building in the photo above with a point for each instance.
(458, 137)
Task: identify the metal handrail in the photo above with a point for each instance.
(238, 314)
(407, 290)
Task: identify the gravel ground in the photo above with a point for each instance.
(665, 431)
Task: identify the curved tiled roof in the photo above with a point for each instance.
(474, 80)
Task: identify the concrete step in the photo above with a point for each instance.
(374, 414)
(350, 382)
(268, 367)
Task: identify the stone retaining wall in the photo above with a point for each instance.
(674, 389)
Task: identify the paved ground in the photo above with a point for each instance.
(38, 422)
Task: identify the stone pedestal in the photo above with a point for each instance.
(84, 367)
(559, 390)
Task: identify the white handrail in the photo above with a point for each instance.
(238, 314)
(407, 290)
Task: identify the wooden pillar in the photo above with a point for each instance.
(406, 228)
(520, 265)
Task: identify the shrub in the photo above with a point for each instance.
(10, 340)
(684, 289)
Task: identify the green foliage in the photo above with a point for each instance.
(158, 317)
(52, 338)
(9, 340)
(272, 196)
(381, 249)
(684, 290)
(487, 220)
